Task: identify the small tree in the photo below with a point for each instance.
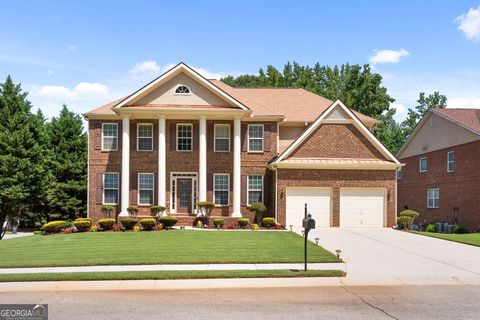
(132, 212)
(205, 209)
(107, 210)
(157, 211)
(410, 214)
(259, 209)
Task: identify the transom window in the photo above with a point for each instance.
(222, 137)
(184, 137)
(221, 188)
(255, 137)
(182, 90)
(145, 188)
(433, 198)
(255, 189)
(423, 164)
(110, 187)
(145, 137)
(110, 136)
(451, 161)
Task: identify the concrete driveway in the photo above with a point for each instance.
(389, 257)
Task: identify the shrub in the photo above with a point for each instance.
(268, 222)
(84, 219)
(431, 227)
(82, 225)
(409, 213)
(157, 210)
(459, 229)
(53, 226)
(136, 228)
(168, 221)
(206, 207)
(259, 209)
(129, 223)
(255, 226)
(218, 223)
(132, 212)
(37, 232)
(199, 224)
(106, 224)
(107, 210)
(148, 223)
(243, 222)
(403, 222)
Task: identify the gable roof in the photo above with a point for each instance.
(321, 119)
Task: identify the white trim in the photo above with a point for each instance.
(176, 136)
(248, 138)
(182, 93)
(117, 189)
(339, 166)
(215, 137)
(228, 189)
(153, 188)
(162, 162)
(276, 195)
(181, 67)
(248, 189)
(138, 136)
(358, 124)
(186, 175)
(438, 198)
(420, 164)
(448, 161)
(103, 136)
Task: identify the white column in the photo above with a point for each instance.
(202, 165)
(162, 162)
(236, 168)
(125, 166)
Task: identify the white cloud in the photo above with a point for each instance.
(80, 90)
(204, 72)
(401, 111)
(91, 88)
(470, 102)
(50, 71)
(146, 67)
(72, 47)
(388, 56)
(469, 23)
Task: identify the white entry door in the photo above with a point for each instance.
(318, 205)
(362, 207)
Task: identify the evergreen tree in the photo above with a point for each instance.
(22, 154)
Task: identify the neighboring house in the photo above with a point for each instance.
(440, 179)
(182, 139)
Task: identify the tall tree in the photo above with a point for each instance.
(68, 143)
(22, 154)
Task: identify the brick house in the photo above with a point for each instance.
(182, 139)
(440, 178)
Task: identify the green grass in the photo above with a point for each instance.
(168, 275)
(158, 247)
(467, 238)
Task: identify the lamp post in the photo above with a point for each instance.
(308, 223)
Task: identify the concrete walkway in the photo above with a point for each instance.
(10, 235)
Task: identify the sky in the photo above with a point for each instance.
(88, 53)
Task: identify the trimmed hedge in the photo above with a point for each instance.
(243, 222)
(106, 224)
(218, 223)
(129, 223)
(268, 222)
(403, 222)
(168, 221)
(431, 227)
(148, 223)
(54, 226)
(82, 225)
(409, 213)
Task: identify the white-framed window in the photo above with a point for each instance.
(145, 188)
(145, 136)
(222, 137)
(451, 161)
(399, 174)
(433, 198)
(254, 189)
(423, 164)
(221, 187)
(110, 187)
(182, 90)
(184, 136)
(109, 136)
(255, 138)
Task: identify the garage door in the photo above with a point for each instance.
(362, 207)
(318, 204)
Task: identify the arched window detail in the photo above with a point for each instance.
(182, 90)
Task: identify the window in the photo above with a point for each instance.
(145, 137)
(145, 188)
(222, 137)
(433, 198)
(110, 136)
(220, 189)
(184, 137)
(182, 90)
(110, 188)
(255, 138)
(255, 189)
(423, 164)
(399, 174)
(451, 161)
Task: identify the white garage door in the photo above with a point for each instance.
(362, 207)
(318, 204)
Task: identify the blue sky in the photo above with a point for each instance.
(87, 53)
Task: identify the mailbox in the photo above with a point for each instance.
(308, 222)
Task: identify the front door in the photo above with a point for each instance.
(184, 196)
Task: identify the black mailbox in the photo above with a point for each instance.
(308, 222)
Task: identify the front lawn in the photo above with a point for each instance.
(467, 238)
(158, 247)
